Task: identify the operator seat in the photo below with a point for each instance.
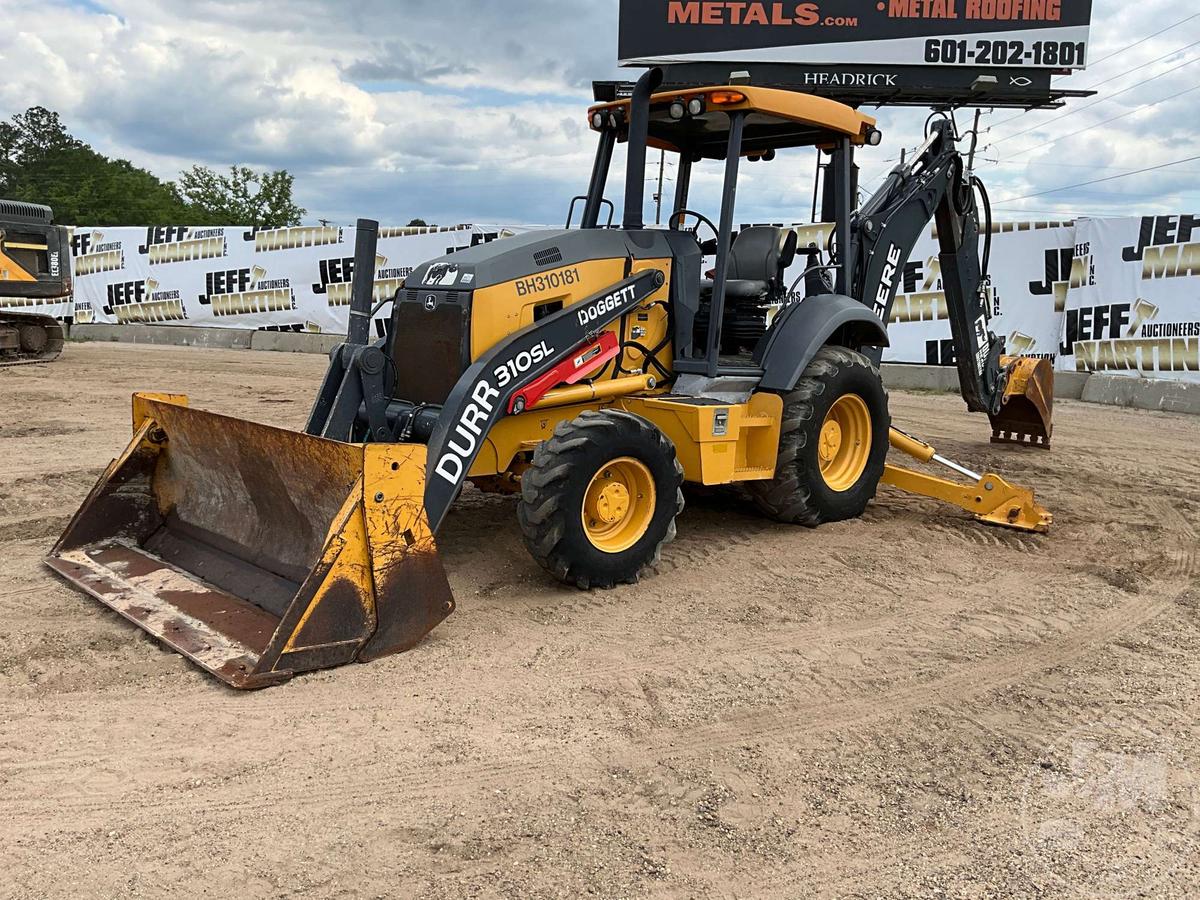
(758, 260)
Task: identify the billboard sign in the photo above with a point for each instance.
(1037, 34)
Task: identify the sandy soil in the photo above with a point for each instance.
(907, 705)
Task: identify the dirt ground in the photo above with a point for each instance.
(910, 705)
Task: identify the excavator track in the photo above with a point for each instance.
(29, 338)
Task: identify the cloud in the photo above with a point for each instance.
(465, 109)
(405, 62)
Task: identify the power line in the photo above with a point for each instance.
(1071, 187)
(1089, 166)
(1139, 66)
(1114, 77)
(1119, 196)
(1097, 103)
(1057, 215)
(1123, 115)
(1143, 40)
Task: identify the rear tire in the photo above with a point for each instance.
(828, 472)
(600, 498)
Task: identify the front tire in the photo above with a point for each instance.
(600, 498)
(833, 443)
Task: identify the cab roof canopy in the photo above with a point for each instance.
(775, 120)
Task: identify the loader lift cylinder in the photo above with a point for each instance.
(356, 367)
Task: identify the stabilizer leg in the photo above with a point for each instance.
(989, 497)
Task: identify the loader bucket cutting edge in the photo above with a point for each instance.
(258, 552)
(1027, 408)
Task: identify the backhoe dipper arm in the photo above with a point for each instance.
(932, 185)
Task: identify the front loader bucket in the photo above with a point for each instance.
(258, 552)
(1028, 404)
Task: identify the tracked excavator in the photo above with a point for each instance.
(589, 370)
(35, 269)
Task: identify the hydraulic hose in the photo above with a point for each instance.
(985, 264)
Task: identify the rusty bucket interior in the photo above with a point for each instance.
(1027, 408)
(255, 551)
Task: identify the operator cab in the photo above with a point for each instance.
(721, 323)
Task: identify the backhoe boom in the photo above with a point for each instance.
(934, 184)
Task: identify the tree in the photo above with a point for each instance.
(418, 223)
(243, 197)
(40, 162)
(33, 134)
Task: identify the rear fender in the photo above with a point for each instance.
(804, 328)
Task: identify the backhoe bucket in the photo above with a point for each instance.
(258, 552)
(1028, 403)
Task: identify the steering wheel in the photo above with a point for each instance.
(701, 219)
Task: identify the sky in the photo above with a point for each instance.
(474, 110)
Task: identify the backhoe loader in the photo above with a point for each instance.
(590, 370)
(35, 269)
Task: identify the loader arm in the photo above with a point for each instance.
(490, 387)
(934, 185)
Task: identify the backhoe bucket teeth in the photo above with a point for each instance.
(258, 552)
(1028, 404)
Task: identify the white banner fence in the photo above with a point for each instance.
(283, 279)
(1120, 296)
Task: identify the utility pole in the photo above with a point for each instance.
(662, 164)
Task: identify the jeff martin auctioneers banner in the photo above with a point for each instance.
(283, 279)
(1120, 296)
(1116, 296)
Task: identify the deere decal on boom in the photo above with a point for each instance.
(591, 370)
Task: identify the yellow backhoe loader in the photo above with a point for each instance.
(592, 370)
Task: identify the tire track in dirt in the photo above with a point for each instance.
(1183, 561)
(973, 679)
(958, 617)
(991, 624)
(788, 723)
(29, 528)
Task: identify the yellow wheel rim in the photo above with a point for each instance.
(844, 444)
(618, 505)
